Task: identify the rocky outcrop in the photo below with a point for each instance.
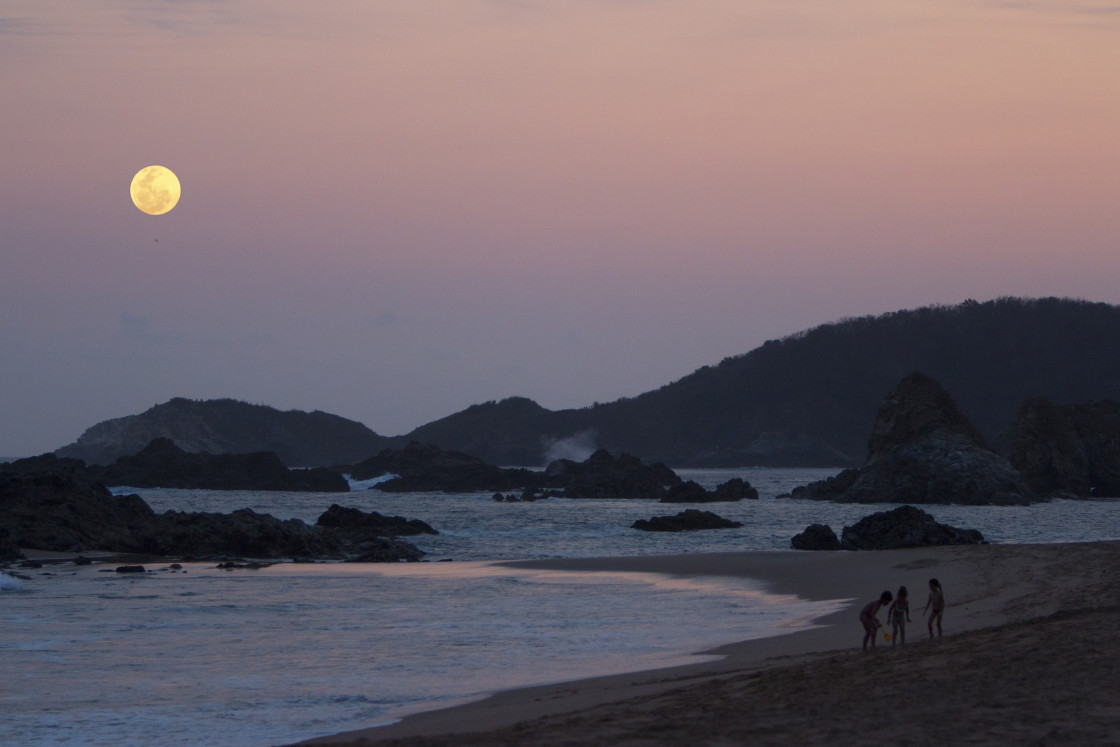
(1071, 450)
(603, 476)
(917, 410)
(923, 450)
(689, 520)
(69, 513)
(162, 464)
(816, 537)
(905, 526)
(64, 512)
(226, 426)
(425, 468)
(735, 489)
(354, 521)
(688, 491)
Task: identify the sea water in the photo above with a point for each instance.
(202, 656)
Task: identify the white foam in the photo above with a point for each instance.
(9, 583)
(367, 484)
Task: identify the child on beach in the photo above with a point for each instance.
(899, 614)
(869, 621)
(937, 602)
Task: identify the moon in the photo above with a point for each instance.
(155, 189)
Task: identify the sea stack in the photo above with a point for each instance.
(922, 449)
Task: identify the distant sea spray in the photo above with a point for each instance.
(576, 448)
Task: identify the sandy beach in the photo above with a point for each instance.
(1031, 652)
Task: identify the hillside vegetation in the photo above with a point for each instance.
(810, 399)
(227, 426)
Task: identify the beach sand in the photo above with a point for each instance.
(1031, 653)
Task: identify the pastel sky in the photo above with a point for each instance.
(394, 210)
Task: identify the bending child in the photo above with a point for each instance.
(899, 615)
(937, 602)
(869, 621)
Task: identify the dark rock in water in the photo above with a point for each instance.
(686, 521)
(528, 495)
(816, 537)
(905, 526)
(60, 512)
(1067, 449)
(603, 476)
(243, 533)
(918, 408)
(231, 565)
(162, 464)
(426, 468)
(130, 569)
(686, 492)
(82, 560)
(735, 489)
(355, 520)
(923, 450)
(387, 550)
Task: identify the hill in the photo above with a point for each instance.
(810, 399)
(226, 426)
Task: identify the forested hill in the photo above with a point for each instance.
(811, 398)
(226, 426)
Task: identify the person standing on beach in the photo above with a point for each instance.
(869, 621)
(937, 602)
(899, 614)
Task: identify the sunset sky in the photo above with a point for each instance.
(394, 210)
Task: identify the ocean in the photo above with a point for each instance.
(202, 656)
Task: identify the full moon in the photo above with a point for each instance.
(155, 189)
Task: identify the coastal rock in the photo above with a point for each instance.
(1067, 449)
(528, 495)
(68, 513)
(131, 569)
(905, 526)
(241, 533)
(63, 512)
(735, 489)
(816, 537)
(690, 519)
(426, 468)
(162, 464)
(353, 520)
(387, 550)
(603, 476)
(923, 450)
(686, 492)
(918, 409)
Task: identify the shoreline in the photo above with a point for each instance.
(986, 586)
